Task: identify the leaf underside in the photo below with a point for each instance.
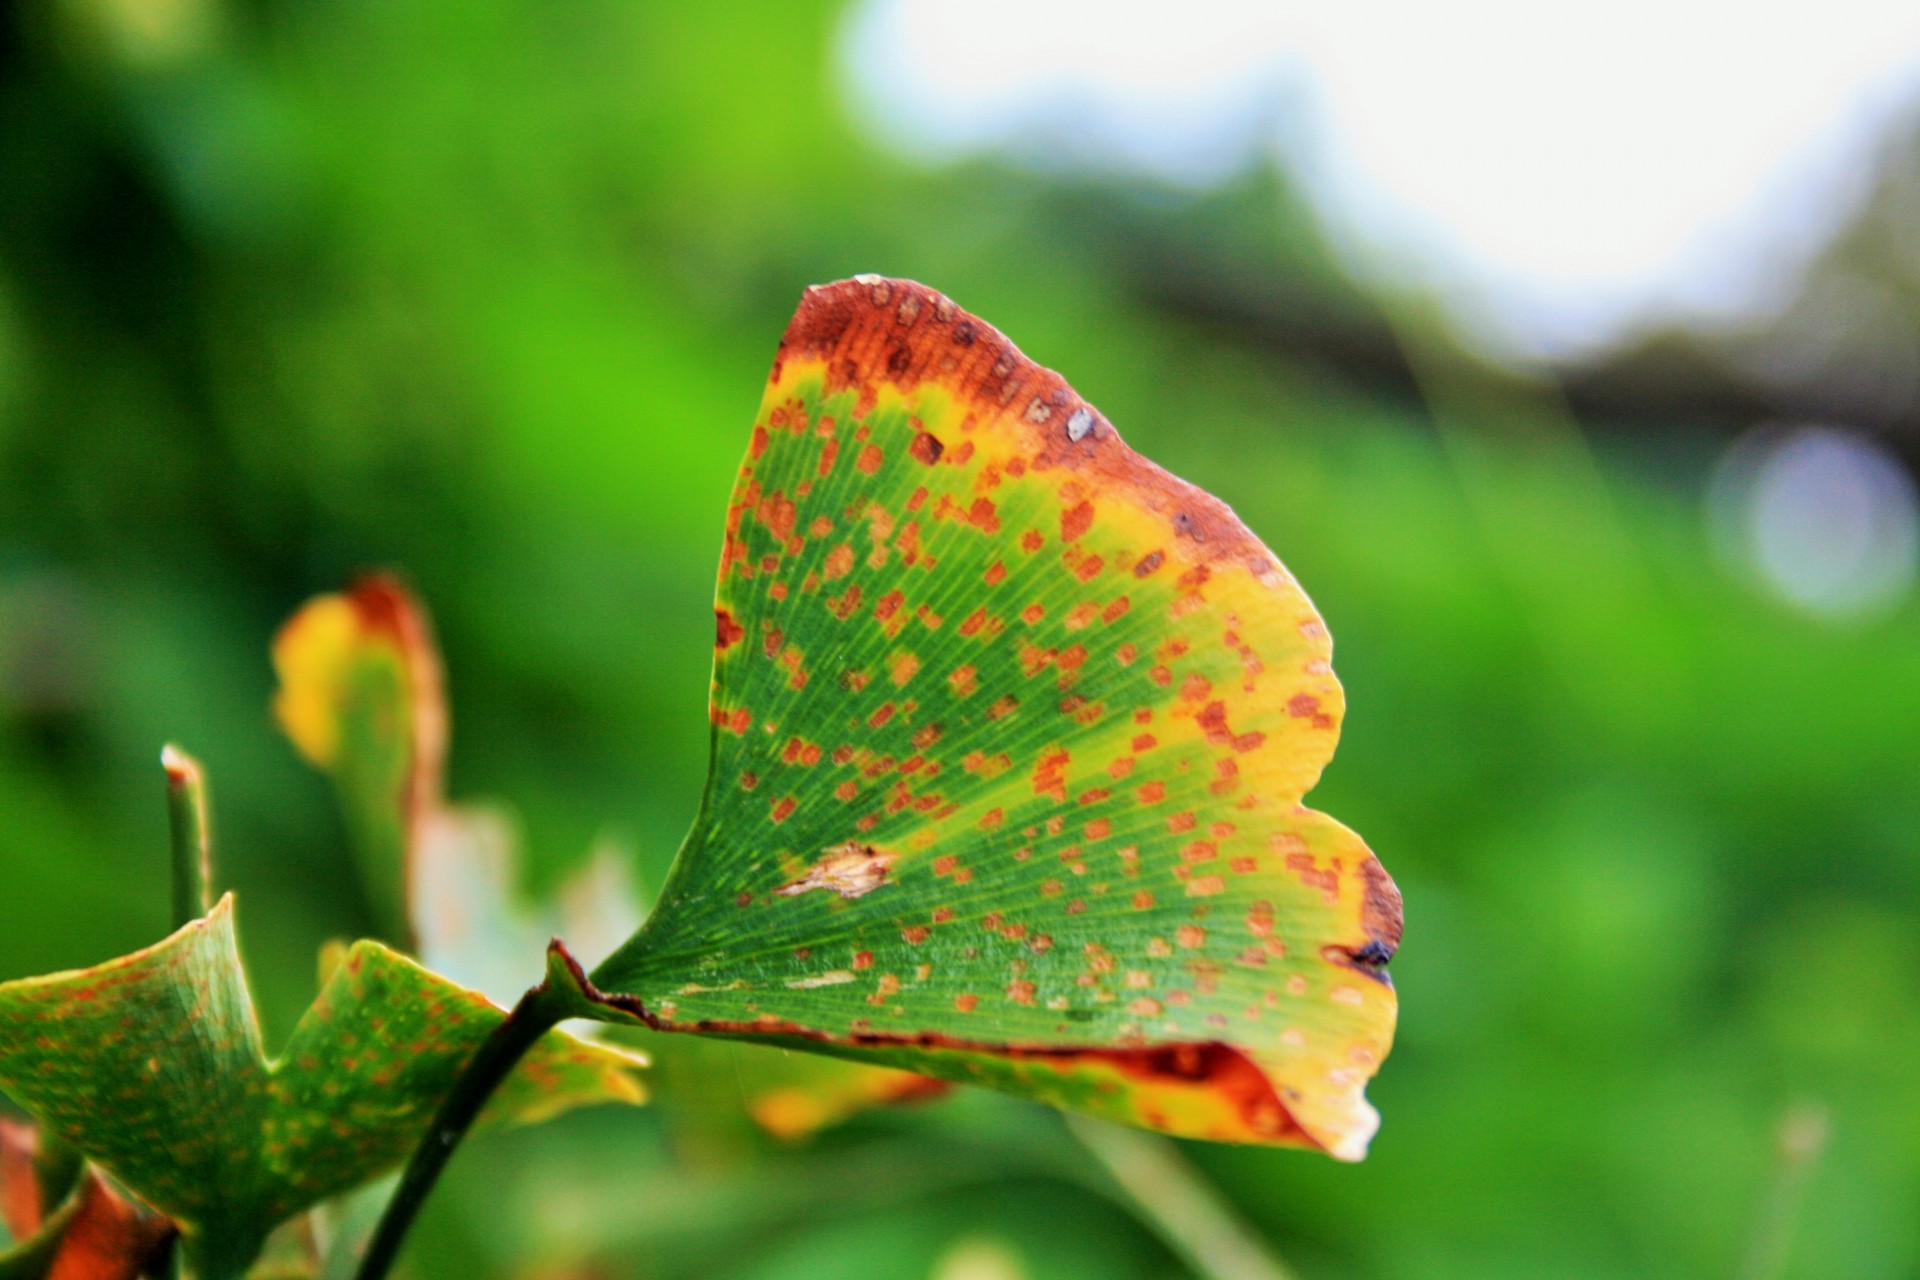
(152, 1066)
(1011, 731)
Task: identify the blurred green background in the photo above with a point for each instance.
(487, 291)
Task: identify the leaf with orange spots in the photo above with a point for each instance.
(152, 1066)
(1011, 735)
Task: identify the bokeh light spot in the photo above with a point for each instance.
(1828, 519)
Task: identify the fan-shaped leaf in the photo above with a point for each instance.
(1011, 731)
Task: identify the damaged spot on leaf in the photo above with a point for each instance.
(850, 870)
(832, 978)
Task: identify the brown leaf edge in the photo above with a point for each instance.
(1211, 1067)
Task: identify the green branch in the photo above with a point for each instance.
(538, 1012)
(192, 835)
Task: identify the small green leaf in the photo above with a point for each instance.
(152, 1066)
(1011, 731)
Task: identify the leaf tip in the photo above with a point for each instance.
(315, 650)
(182, 770)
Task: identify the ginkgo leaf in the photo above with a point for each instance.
(363, 696)
(360, 696)
(1011, 731)
(152, 1066)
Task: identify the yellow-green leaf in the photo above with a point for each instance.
(360, 696)
(1011, 735)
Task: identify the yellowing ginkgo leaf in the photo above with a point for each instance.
(360, 696)
(1011, 737)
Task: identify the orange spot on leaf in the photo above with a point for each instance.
(1075, 521)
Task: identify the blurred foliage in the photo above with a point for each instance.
(488, 291)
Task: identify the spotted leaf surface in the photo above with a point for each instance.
(152, 1066)
(1011, 732)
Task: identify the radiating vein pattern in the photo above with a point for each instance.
(1011, 733)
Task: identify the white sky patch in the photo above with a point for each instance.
(1562, 171)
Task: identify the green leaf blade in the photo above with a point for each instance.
(368, 1064)
(1011, 735)
(147, 1064)
(151, 1065)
